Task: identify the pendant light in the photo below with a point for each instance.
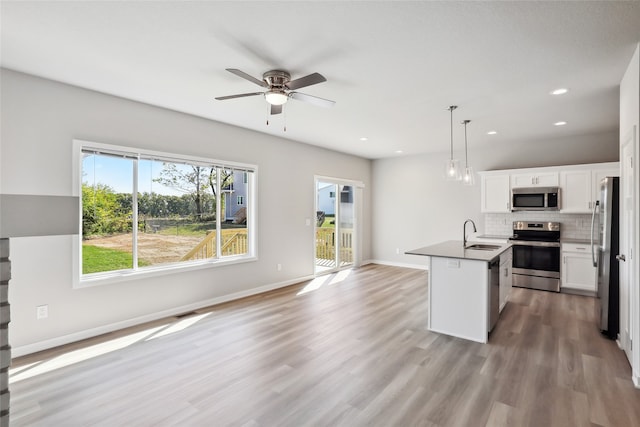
(467, 175)
(452, 167)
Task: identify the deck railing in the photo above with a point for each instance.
(234, 242)
(326, 244)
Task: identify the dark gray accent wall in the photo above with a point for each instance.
(25, 215)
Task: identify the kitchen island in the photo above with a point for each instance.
(463, 288)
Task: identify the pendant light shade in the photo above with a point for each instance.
(452, 166)
(468, 177)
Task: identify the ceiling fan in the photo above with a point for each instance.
(280, 88)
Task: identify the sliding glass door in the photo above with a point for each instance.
(335, 226)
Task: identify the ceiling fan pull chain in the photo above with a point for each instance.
(285, 118)
(268, 111)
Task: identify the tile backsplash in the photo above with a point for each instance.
(573, 226)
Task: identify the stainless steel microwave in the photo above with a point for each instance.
(535, 199)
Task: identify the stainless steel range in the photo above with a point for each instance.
(536, 255)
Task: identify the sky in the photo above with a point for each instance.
(117, 173)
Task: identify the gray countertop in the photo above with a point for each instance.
(454, 249)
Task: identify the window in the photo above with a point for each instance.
(144, 211)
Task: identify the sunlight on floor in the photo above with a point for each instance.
(330, 279)
(179, 326)
(75, 356)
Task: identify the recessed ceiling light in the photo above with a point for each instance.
(560, 91)
(560, 123)
(364, 138)
(399, 151)
(492, 132)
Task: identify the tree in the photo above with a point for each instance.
(190, 180)
(103, 211)
(194, 181)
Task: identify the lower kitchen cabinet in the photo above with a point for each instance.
(506, 259)
(578, 271)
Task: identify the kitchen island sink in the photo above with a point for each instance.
(483, 247)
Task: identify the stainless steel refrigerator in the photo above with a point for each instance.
(604, 248)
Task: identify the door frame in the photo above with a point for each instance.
(629, 269)
(357, 219)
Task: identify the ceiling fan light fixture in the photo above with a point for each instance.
(276, 97)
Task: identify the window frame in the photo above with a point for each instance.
(81, 280)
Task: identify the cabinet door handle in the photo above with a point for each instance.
(581, 249)
(564, 259)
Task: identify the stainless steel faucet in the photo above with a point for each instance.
(464, 231)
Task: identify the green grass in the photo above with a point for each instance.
(96, 259)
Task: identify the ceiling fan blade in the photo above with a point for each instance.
(240, 95)
(247, 77)
(320, 102)
(305, 81)
(276, 109)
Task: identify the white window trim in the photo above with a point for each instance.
(95, 279)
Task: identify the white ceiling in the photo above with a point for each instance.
(392, 67)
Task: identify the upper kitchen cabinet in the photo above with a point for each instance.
(579, 185)
(534, 179)
(580, 188)
(576, 193)
(495, 193)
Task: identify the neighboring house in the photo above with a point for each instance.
(326, 195)
(327, 198)
(235, 195)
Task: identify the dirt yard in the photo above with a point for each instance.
(153, 248)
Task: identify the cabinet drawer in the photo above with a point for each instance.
(576, 247)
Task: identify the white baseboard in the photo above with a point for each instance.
(397, 264)
(636, 381)
(100, 330)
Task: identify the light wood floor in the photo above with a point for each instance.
(354, 353)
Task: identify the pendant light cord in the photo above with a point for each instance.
(451, 108)
(466, 157)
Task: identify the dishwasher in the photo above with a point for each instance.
(494, 292)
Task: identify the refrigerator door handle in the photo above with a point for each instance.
(593, 220)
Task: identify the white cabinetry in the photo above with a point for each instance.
(577, 268)
(505, 277)
(534, 179)
(495, 193)
(576, 194)
(580, 188)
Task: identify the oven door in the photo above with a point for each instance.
(537, 259)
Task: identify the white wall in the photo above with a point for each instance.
(40, 118)
(414, 206)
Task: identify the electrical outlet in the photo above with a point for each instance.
(42, 311)
(279, 267)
